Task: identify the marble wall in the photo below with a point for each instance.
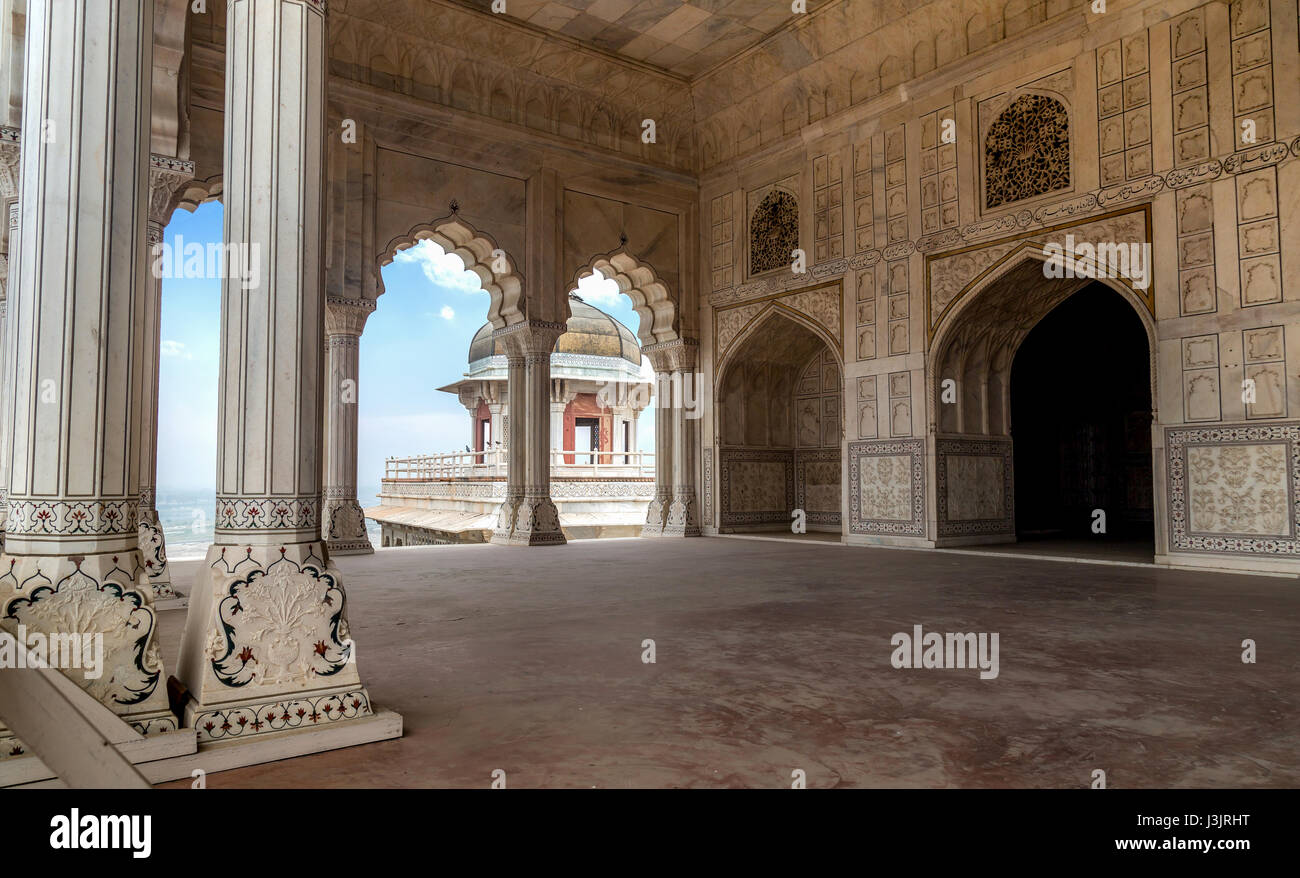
(1160, 125)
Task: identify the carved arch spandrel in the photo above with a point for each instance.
(507, 305)
(954, 275)
(652, 300)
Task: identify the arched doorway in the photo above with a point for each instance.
(1042, 405)
(779, 409)
(1081, 425)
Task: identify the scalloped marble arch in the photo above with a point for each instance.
(506, 303)
(651, 298)
(773, 310)
(998, 282)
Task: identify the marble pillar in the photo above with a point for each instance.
(516, 440)
(267, 647)
(683, 512)
(537, 521)
(496, 428)
(72, 563)
(343, 523)
(10, 176)
(657, 511)
(166, 176)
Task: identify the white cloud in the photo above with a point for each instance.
(442, 269)
(597, 289)
(170, 348)
(446, 313)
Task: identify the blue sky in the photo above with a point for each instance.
(414, 342)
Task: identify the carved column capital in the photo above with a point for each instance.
(345, 316)
(678, 355)
(166, 177)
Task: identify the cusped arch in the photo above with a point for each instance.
(651, 299)
(496, 269)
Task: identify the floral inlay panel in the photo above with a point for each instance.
(887, 487)
(1234, 488)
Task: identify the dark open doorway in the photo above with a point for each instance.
(1081, 424)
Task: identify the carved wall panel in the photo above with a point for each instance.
(1197, 285)
(1191, 93)
(866, 314)
(864, 217)
(722, 236)
(817, 403)
(756, 486)
(887, 487)
(896, 227)
(974, 487)
(817, 485)
(1201, 400)
(1258, 240)
(1233, 489)
(897, 305)
(938, 182)
(868, 413)
(1263, 354)
(828, 208)
(1124, 110)
(1252, 72)
(900, 404)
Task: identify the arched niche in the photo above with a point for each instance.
(778, 413)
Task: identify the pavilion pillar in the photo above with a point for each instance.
(267, 646)
(496, 424)
(558, 406)
(657, 511)
(342, 521)
(516, 440)
(71, 562)
(683, 513)
(537, 521)
(165, 177)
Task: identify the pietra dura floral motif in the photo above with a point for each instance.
(1027, 151)
(1234, 489)
(78, 604)
(773, 232)
(283, 626)
(887, 487)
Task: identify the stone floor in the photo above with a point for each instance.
(775, 656)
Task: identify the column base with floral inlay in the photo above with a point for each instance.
(266, 646)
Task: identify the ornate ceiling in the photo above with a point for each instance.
(681, 37)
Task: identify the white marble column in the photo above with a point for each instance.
(516, 441)
(496, 421)
(10, 176)
(684, 511)
(267, 646)
(166, 176)
(343, 523)
(557, 425)
(72, 563)
(657, 511)
(537, 521)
